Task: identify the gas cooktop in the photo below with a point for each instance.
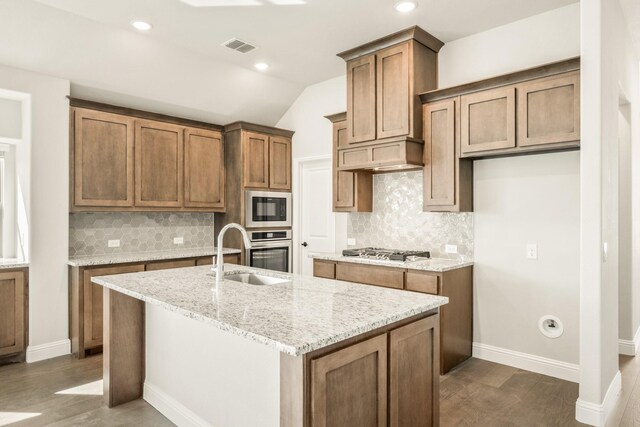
(385, 254)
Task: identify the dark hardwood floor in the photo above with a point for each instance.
(66, 392)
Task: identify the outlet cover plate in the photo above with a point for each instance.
(451, 249)
(178, 240)
(113, 243)
(351, 241)
(532, 251)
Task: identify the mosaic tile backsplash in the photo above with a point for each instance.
(398, 222)
(137, 232)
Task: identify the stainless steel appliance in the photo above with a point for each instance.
(267, 209)
(386, 254)
(270, 249)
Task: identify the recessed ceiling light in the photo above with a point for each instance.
(141, 25)
(261, 66)
(405, 6)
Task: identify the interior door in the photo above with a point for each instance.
(315, 212)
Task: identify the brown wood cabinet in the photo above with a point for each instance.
(361, 99)
(256, 159)
(86, 299)
(352, 191)
(279, 163)
(13, 315)
(159, 164)
(102, 162)
(123, 162)
(204, 180)
(456, 317)
(448, 181)
(349, 386)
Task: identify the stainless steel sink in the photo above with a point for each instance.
(255, 279)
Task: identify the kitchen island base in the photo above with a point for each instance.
(197, 374)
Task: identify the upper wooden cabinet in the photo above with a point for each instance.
(159, 164)
(103, 159)
(384, 80)
(352, 191)
(279, 163)
(128, 163)
(528, 111)
(203, 161)
(256, 159)
(13, 315)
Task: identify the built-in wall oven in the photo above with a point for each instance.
(267, 209)
(270, 249)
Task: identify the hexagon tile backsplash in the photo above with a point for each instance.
(398, 222)
(137, 232)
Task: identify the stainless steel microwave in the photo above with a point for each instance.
(267, 209)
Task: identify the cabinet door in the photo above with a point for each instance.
(389, 277)
(12, 313)
(279, 163)
(93, 301)
(414, 374)
(256, 160)
(361, 99)
(440, 154)
(159, 164)
(103, 159)
(488, 120)
(549, 110)
(204, 170)
(392, 94)
(349, 386)
(343, 181)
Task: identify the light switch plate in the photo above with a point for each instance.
(113, 243)
(178, 240)
(451, 249)
(351, 241)
(532, 251)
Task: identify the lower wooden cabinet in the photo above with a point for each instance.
(13, 315)
(227, 259)
(456, 317)
(166, 265)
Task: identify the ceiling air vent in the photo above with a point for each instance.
(239, 45)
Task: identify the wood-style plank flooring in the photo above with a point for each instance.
(478, 393)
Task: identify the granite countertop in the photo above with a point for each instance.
(437, 265)
(8, 263)
(123, 258)
(296, 317)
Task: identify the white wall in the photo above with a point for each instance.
(10, 118)
(609, 70)
(530, 199)
(43, 171)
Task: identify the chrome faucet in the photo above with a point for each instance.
(219, 269)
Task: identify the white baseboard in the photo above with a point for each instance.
(36, 353)
(175, 411)
(529, 362)
(597, 414)
(630, 347)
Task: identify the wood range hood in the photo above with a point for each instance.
(384, 113)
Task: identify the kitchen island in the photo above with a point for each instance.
(305, 351)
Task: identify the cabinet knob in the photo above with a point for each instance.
(305, 244)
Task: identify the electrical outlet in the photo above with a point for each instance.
(113, 243)
(178, 240)
(351, 241)
(451, 249)
(532, 251)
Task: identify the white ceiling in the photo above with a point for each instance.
(300, 41)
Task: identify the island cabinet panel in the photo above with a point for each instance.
(256, 160)
(13, 314)
(227, 259)
(349, 386)
(414, 370)
(204, 171)
(393, 109)
(102, 163)
(159, 155)
(92, 297)
(324, 269)
(361, 99)
(369, 274)
(549, 110)
(279, 163)
(488, 120)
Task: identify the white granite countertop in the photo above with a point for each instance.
(437, 265)
(8, 263)
(296, 317)
(123, 258)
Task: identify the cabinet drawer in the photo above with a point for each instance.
(370, 275)
(421, 282)
(326, 269)
(171, 264)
